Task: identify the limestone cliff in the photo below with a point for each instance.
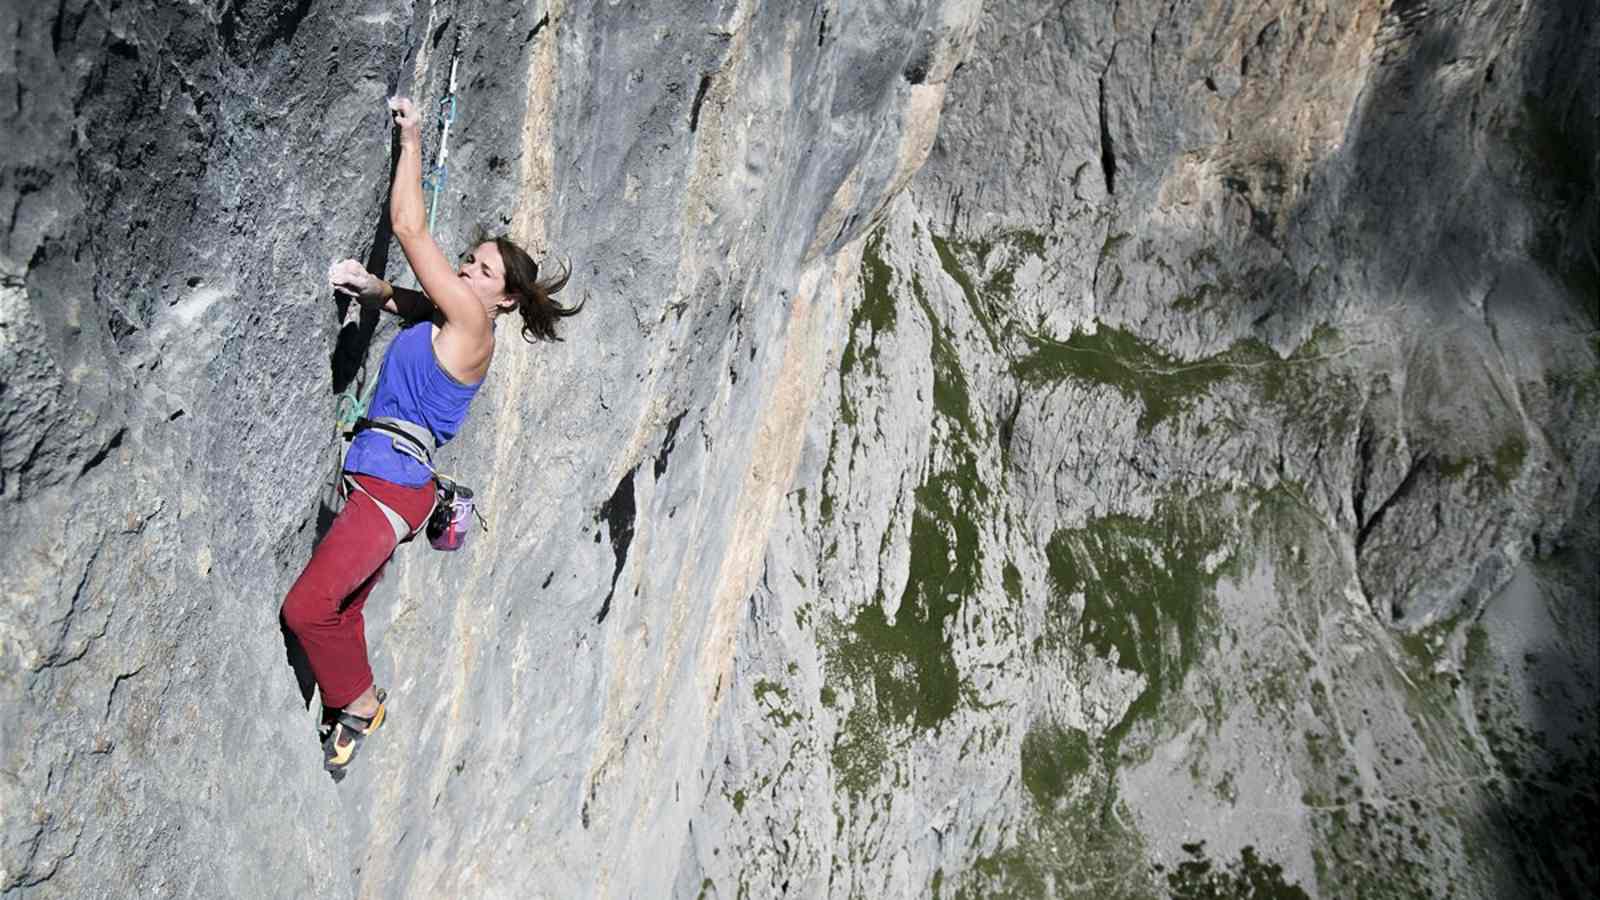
(1017, 449)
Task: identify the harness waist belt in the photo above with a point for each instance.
(414, 440)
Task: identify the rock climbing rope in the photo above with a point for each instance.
(439, 175)
(351, 406)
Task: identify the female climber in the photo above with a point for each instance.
(430, 373)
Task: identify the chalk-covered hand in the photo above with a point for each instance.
(406, 117)
(349, 278)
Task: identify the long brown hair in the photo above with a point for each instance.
(539, 312)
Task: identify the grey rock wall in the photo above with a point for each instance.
(1036, 450)
(1212, 404)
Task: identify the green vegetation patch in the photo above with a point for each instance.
(1504, 465)
(950, 395)
(1077, 852)
(1508, 459)
(1578, 386)
(1165, 385)
(1112, 245)
(860, 751)
(904, 673)
(825, 499)
(877, 305)
(909, 664)
(874, 317)
(952, 267)
(1196, 299)
(1147, 595)
(1196, 878)
(1116, 358)
(1012, 579)
(774, 698)
(988, 300)
(1426, 645)
(1052, 757)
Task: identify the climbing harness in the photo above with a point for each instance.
(439, 175)
(450, 521)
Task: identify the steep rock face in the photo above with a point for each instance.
(1193, 462)
(179, 183)
(1208, 477)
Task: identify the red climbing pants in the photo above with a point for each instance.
(323, 608)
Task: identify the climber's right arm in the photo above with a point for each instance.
(351, 280)
(403, 302)
(408, 304)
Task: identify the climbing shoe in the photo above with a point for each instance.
(344, 736)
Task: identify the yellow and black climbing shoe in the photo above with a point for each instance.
(344, 738)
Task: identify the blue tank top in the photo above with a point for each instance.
(411, 386)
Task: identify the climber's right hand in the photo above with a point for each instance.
(350, 279)
(406, 117)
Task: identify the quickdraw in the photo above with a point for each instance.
(437, 177)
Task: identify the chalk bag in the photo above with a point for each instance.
(452, 517)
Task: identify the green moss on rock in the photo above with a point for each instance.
(1012, 579)
(1051, 757)
(1148, 597)
(872, 319)
(908, 664)
(1116, 358)
(1508, 459)
(1197, 878)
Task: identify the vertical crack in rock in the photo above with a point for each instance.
(1365, 456)
(111, 696)
(668, 443)
(1008, 424)
(916, 72)
(618, 513)
(1108, 153)
(699, 98)
(1406, 485)
(100, 457)
(537, 27)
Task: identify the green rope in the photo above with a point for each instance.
(350, 406)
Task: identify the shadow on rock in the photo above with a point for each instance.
(1538, 709)
(348, 364)
(299, 663)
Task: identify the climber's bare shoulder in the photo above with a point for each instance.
(463, 338)
(462, 352)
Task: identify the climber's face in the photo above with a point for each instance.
(485, 273)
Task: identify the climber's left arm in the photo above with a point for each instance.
(448, 293)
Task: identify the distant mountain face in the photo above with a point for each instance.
(1028, 450)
